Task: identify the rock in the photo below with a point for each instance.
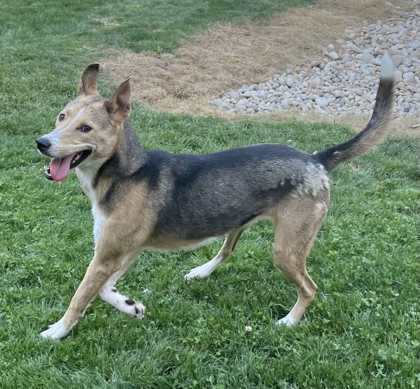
(330, 47)
(315, 82)
(347, 58)
(349, 35)
(315, 63)
(414, 44)
(398, 59)
(243, 103)
(378, 51)
(398, 76)
(408, 76)
(289, 81)
(377, 61)
(333, 55)
(285, 103)
(353, 47)
(322, 101)
(367, 57)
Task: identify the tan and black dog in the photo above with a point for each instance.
(156, 200)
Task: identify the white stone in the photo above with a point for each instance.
(330, 47)
(333, 55)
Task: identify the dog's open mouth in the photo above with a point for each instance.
(59, 168)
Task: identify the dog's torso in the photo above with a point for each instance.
(212, 194)
(190, 198)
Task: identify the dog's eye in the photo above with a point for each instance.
(84, 128)
(61, 117)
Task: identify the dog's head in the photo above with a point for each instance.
(87, 129)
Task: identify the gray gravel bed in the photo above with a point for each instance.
(345, 79)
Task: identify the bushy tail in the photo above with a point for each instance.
(375, 129)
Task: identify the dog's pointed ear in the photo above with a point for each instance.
(88, 80)
(119, 107)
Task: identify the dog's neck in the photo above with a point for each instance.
(129, 152)
(128, 157)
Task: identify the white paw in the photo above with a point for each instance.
(288, 321)
(56, 331)
(199, 272)
(137, 309)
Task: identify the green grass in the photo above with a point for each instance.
(363, 329)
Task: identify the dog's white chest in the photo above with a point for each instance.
(86, 184)
(99, 220)
(98, 215)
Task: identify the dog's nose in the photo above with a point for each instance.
(43, 144)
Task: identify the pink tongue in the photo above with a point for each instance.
(60, 167)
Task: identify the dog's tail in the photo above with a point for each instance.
(375, 129)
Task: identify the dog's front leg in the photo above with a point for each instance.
(98, 272)
(110, 294)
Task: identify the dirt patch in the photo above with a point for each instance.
(228, 56)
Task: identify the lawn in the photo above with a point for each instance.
(363, 329)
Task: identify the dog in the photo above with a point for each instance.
(157, 200)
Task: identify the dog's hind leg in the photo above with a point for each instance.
(110, 294)
(297, 224)
(205, 270)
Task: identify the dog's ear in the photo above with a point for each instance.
(88, 80)
(119, 107)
